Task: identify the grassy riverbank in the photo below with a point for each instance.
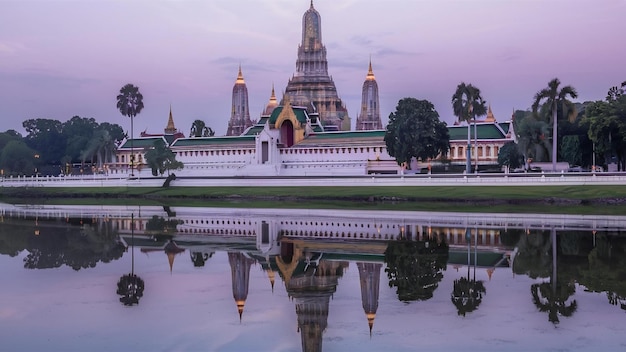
(595, 199)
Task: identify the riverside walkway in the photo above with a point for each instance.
(496, 179)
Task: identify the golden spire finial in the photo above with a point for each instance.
(490, 117)
(240, 305)
(370, 72)
(170, 128)
(273, 96)
(370, 321)
(240, 76)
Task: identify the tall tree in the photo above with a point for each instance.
(607, 127)
(130, 103)
(510, 156)
(78, 132)
(554, 99)
(200, 129)
(467, 105)
(16, 158)
(414, 130)
(161, 158)
(46, 137)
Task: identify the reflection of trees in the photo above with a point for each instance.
(159, 225)
(52, 243)
(198, 258)
(130, 288)
(533, 254)
(415, 267)
(607, 268)
(467, 295)
(553, 298)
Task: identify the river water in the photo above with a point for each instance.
(130, 278)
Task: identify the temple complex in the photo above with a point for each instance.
(311, 86)
(369, 118)
(240, 112)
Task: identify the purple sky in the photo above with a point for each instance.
(64, 58)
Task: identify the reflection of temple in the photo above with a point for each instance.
(240, 271)
(369, 274)
(311, 286)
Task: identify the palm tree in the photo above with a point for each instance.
(467, 104)
(554, 98)
(199, 129)
(130, 103)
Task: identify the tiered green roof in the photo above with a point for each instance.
(300, 113)
(139, 143)
(343, 138)
(484, 131)
(215, 141)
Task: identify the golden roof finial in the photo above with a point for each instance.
(240, 76)
(170, 128)
(370, 321)
(490, 117)
(240, 305)
(370, 72)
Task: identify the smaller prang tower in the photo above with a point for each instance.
(369, 118)
(240, 113)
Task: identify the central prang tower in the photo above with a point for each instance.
(311, 86)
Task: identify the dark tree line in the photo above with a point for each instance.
(49, 146)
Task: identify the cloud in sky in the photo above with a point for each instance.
(69, 58)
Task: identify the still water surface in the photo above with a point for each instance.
(308, 280)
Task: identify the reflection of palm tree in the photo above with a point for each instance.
(130, 286)
(467, 294)
(553, 297)
(198, 258)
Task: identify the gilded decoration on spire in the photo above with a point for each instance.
(490, 117)
(370, 72)
(170, 128)
(240, 77)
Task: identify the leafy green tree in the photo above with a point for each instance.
(78, 132)
(199, 129)
(101, 146)
(45, 136)
(554, 99)
(467, 105)
(607, 128)
(17, 159)
(532, 139)
(570, 150)
(415, 131)
(160, 158)
(9, 135)
(130, 104)
(510, 156)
